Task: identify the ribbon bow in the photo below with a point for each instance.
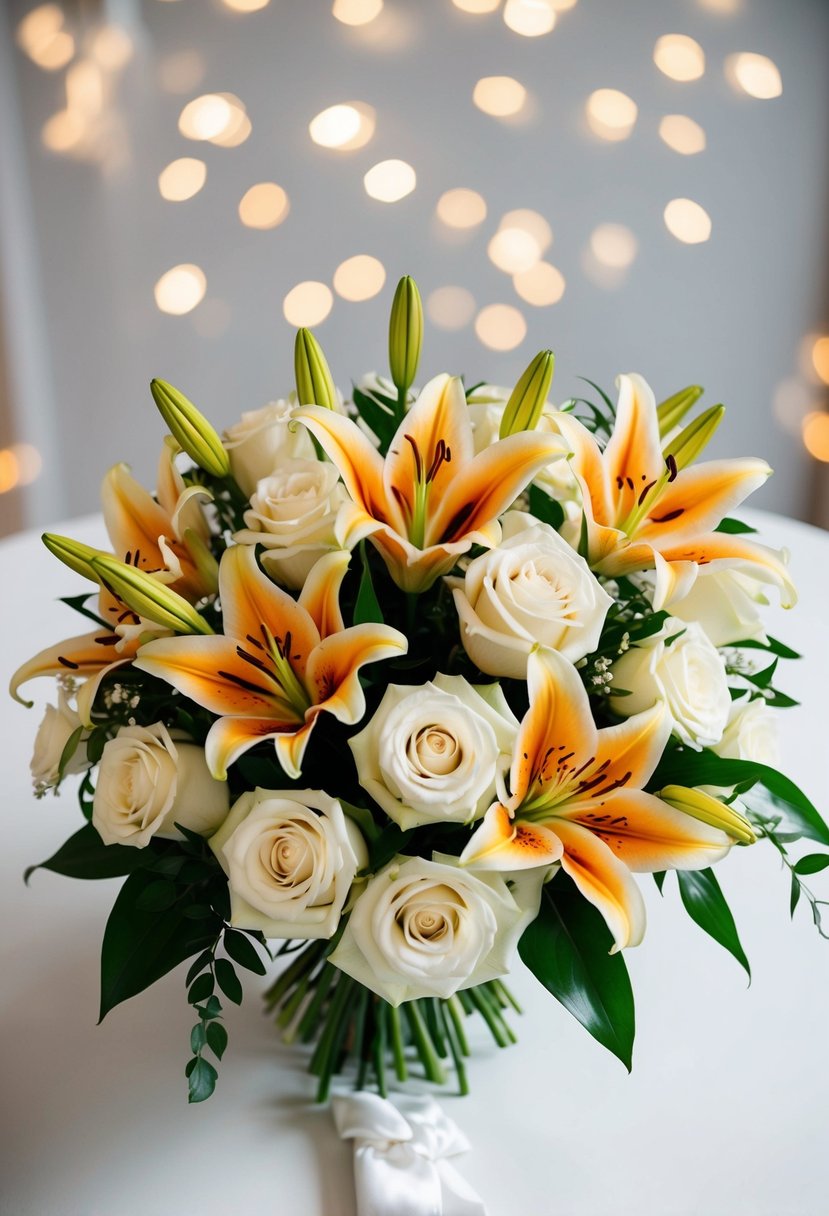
(400, 1151)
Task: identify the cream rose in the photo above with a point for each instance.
(56, 729)
(427, 928)
(682, 668)
(751, 734)
(724, 603)
(292, 513)
(263, 439)
(431, 752)
(147, 783)
(290, 857)
(533, 589)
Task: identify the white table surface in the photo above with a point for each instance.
(726, 1110)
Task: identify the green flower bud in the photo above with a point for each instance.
(673, 410)
(73, 553)
(694, 437)
(148, 597)
(527, 399)
(709, 810)
(405, 334)
(191, 429)
(314, 385)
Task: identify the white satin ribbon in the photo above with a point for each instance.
(400, 1151)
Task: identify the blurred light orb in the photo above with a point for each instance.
(500, 96)
(513, 250)
(359, 278)
(541, 285)
(245, 6)
(687, 221)
(500, 327)
(264, 205)
(9, 473)
(679, 57)
(611, 114)
(85, 88)
(450, 307)
(180, 289)
(563, 6)
(42, 36)
(345, 126)
(476, 6)
(816, 435)
(613, 245)
(206, 117)
(531, 222)
(307, 304)
(390, 180)
(63, 131)
(29, 462)
(820, 358)
(756, 75)
(682, 134)
(721, 6)
(530, 18)
(182, 179)
(111, 47)
(181, 72)
(239, 129)
(461, 208)
(357, 12)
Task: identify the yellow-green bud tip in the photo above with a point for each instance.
(314, 383)
(405, 333)
(527, 399)
(190, 429)
(73, 553)
(148, 597)
(706, 809)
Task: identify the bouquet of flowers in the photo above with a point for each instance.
(389, 688)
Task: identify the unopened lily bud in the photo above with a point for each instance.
(671, 411)
(73, 553)
(405, 333)
(147, 597)
(527, 399)
(706, 809)
(694, 437)
(314, 384)
(191, 429)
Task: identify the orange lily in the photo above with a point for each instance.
(432, 498)
(278, 666)
(576, 797)
(640, 512)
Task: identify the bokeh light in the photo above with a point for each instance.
(679, 57)
(345, 126)
(42, 36)
(541, 285)
(63, 131)
(390, 180)
(820, 358)
(85, 88)
(500, 327)
(9, 474)
(756, 75)
(450, 307)
(180, 289)
(461, 208)
(357, 12)
(613, 245)
(530, 18)
(219, 118)
(476, 6)
(513, 250)
(682, 134)
(359, 278)
(308, 303)
(611, 114)
(816, 435)
(182, 179)
(531, 222)
(687, 221)
(245, 6)
(500, 96)
(111, 47)
(264, 205)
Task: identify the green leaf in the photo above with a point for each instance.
(242, 950)
(199, 965)
(228, 981)
(794, 898)
(367, 610)
(363, 818)
(567, 949)
(95, 744)
(216, 1038)
(212, 1009)
(140, 947)
(812, 863)
(78, 601)
(378, 416)
(200, 989)
(85, 855)
(69, 749)
(202, 1080)
(733, 527)
(706, 905)
(157, 896)
(659, 879)
(545, 508)
(771, 644)
(198, 1038)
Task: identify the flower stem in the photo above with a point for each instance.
(400, 1069)
(457, 1015)
(455, 1047)
(311, 1016)
(379, 1046)
(423, 1043)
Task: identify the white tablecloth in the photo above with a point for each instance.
(726, 1110)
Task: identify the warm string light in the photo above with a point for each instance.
(450, 307)
(820, 358)
(816, 435)
(614, 246)
(756, 75)
(500, 327)
(308, 303)
(461, 208)
(20, 465)
(357, 12)
(345, 126)
(42, 36)
(679, 57)
(182, 179)
(541, 285)
(390, 181)
(687, 221)
(217, 118)
(264, 205)
(682, 134)
(611, 114)
(180, 289)
(359, 278)
(530, 18)
(499, 96)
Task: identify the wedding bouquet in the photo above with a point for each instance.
(399, 685)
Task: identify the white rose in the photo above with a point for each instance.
(262, 440)
(724, 603)
(147, 783)
(290, 857)
(425, 928)
(533, 589)
(431, 752)
(56, 729)
(682, 668)
(751, 734)
(292, 513)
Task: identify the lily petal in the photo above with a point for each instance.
(134, 520)
(739, 553)
(84, 655)
(360, 464)
(250, 600)
(627, 754)
(605, 881)
(332, 677)
(229, 738)
(320, 596)
(589, 470)
(435, 435)
(501, 843)
(699, 498)
(633, 456)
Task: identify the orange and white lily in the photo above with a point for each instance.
(641, 512)
(575, 797)
(278, 666)
(432, 498)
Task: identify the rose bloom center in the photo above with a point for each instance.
(436, 751)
